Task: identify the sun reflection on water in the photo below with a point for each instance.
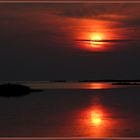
(96, 117)
(96, 121)
(99, 85)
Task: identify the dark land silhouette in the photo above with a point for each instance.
(90, 80)
(126, 83)
(13, 90)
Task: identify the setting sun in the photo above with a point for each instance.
(96, 39)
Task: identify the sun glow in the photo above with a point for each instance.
(96, 35)
(99, 85)
(96, 40)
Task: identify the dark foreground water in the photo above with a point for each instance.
(72, 110)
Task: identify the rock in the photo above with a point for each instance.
(11, 90)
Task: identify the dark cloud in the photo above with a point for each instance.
(133, 22)
(111, 41)
(89, 10)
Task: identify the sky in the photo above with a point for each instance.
(70, 41)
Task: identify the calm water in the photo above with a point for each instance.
(73, 109)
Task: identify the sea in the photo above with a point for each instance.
(72, 110)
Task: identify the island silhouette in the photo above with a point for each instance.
(126, 83)
(15, 90)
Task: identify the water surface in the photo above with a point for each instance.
(73, 110)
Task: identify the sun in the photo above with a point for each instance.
(93, 41)
(96, 40)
